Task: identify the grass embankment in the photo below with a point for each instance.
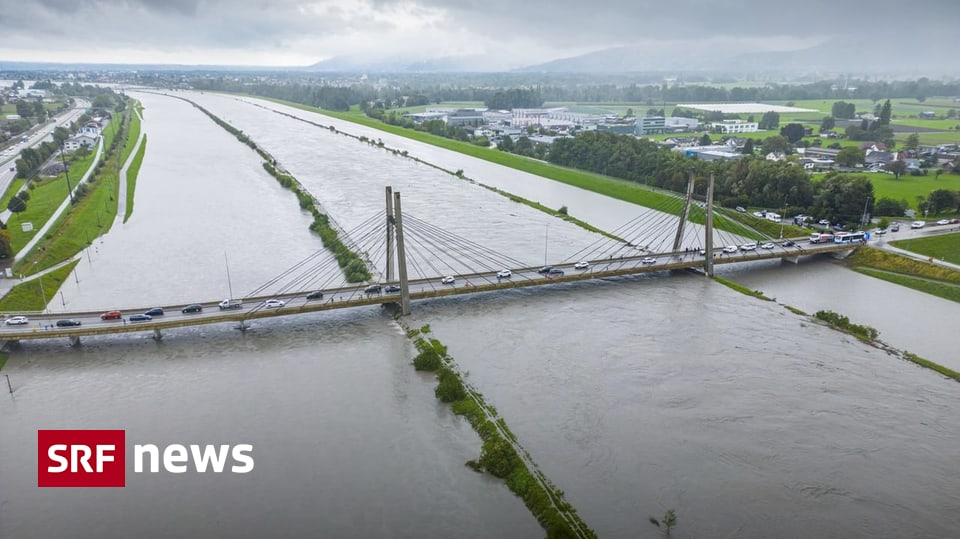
(934, 288)
(354, 268)
(90, 217)
(28, 296)
(501, 454)
(742, 289)
(942, 247)
(3, 360)
(131, 178)
(883, 260)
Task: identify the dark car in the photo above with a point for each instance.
(392, 289)
(788, 243)
(545, 269)
(140, 318)
(67, 323)
(554, 272)
(315, 295)
(192, 308)
(156, 311)
(373, 289)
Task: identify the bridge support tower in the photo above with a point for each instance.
(401, 257)
(708, 232)
(157, 336)
(684, 214)
(390, 222)
(74, 341)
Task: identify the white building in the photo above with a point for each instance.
(736, 126)
(75, 142)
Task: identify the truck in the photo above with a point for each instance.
(821, 238)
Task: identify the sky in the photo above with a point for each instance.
(496, 34)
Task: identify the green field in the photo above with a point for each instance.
(910, 187)
(942, 247)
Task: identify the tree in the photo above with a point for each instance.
(942, 199)
(5, 249)
(841, 197)
(668, 521)
(844, 110)
(850, 157)
(16, 205)
(705, 140)
(883, 223)
(891, 207)
(747, 147)
(769, 120)
(793, 132)
(898, 167)
(885, 113)
(24, 109)
(827, 124)
(505, 144)
(629, 113)
(912, 142)
(23, 195)
(39, 111)
(775, 144)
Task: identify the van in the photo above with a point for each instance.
(231, 304)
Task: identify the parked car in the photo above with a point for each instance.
(741, 209)
(582, 265)
(448, 280)
(767, 245)
(373, 289)
(504, 274)
(545, 269)
(391, 289)
(192, 308)
(555, 272)
(156, 311)
(17, 321)
(140, 318)
(274, 304)
(67, 323)
(111, 315)
(648, 260)
(895, 227)
(315, 295)
(230, 304)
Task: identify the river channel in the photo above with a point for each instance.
(634, 395)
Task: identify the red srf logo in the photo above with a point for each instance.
(81, 458)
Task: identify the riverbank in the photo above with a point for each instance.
(933, 279)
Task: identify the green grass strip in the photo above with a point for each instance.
(742, 289)
(942, 247)
(949, 373)
(934, 288)
(3, 359)
(28, 296)
(871, 257)
(132, 173)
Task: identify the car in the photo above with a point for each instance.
(954, 221)
(447, 280)
(555, 272)
(741, 209)
(582, 265)
(230, 304)
(943, 222)
(111, 315)
(545, 269)
(730, 249)
(17, 321)
(917, 224)
(752, 246)
(373, 289)
(192, 308)
(824, 222)
(140, 318)
(274, 304)
(895, 227)
(789, 243)
(315, 295)
(767, 245)
(67, 323)
(391, 289)
(648, 260)
(703, 252)
(156, 311)
(880, 231)
(504, 274)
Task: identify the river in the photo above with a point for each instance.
(634, 395)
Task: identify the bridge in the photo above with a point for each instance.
(446, 265)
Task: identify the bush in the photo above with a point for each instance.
(449, 388)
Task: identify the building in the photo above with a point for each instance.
(622, 127)
(679, 124)
(77, 141)
(736, 126)
(651, 125)
(465, 118)
(711, 153)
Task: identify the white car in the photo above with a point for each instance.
(17, 321)
(583, 264)
(730, 249)
(917, 224)
(752, 246)
(274, 304)
(649, 260)
(767, 245)
(448, 280)
(943, 222)
(504, 274)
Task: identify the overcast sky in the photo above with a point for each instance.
(506, 33)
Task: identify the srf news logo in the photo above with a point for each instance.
(97, 458)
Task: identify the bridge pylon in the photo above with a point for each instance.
(401, 257)
(390, 222)
(708, 232)
(684, 213)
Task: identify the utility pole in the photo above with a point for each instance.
(390, 222)
(401, 257)
(66, 174)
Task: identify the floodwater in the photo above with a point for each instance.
(634, 395)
